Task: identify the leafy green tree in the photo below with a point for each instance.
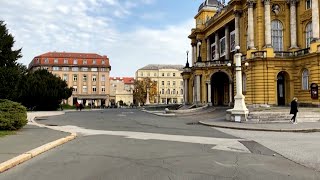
(8, 57)
(10, 70)
(41, 90)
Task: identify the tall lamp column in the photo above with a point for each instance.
(239, 112)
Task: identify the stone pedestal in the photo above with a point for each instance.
(147, 100)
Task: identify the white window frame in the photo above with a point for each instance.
(75, 61)
(308, 34)
(94, 88)
(65, 77)
(213, 51)
(84, 89)
(55, 68)
(232, 41)
(222, 46)
(308, 4)
(55, 61)
(103, 78)
(277, 35)
(75, 77)
(103, 89)
(84, 78)
(94, 78)
(305, 79)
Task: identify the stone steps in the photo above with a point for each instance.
(272, 117)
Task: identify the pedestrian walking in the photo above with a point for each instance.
(294, 110)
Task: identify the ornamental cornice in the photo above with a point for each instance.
(266, 2)
(292, 2)
(250, 3)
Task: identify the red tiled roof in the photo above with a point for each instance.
(126, 80)
(101, 61)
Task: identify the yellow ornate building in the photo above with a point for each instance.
(279, 40)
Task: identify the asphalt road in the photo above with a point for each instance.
(130, 144)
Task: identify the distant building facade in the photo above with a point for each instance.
(121, 90)
(169, 82)
(279, 41)
(87, 73)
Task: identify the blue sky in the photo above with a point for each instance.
(132, 33)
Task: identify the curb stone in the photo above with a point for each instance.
(36, 151)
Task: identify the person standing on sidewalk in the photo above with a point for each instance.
(294, 110)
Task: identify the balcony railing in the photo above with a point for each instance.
(259, 54)
(300, 52)
(212, 63)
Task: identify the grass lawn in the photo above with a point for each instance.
(4, 133)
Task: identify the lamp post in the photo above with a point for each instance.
(187, 64)
(239, 112)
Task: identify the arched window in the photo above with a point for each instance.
(308, 34)
(244, 82)
(277, 35)
(305, 79)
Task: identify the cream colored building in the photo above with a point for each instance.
(169, 82)
(87, 73)
(121, 89)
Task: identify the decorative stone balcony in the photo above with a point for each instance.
(212, 63)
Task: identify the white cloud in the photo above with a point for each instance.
(73, 26)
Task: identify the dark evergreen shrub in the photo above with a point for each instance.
(13, 115)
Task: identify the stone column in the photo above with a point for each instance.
(209, 93)
(147, 100)
(193, 95)
(194, 53)
(293, 24)
(315, 20)
(185, 91)
(250, 24)
(227, 45)
(267, 23)
(237, 28)
(230, 94)
(208, 49)
(217, 46)
(198, 100)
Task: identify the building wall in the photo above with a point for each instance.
(67, 65)
(167, 76)
(261, 76)
(122, 89)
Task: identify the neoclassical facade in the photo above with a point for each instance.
(279, 42)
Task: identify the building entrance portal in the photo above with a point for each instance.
(220, 89)
(281, 88)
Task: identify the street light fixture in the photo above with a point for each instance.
(187, 64)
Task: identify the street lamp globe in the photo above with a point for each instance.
(199, 43)
(237, 48)
(229, 64)
(246, 64)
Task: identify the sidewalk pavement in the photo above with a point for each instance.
(221, 122)
(30, 141)
(276, 127)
